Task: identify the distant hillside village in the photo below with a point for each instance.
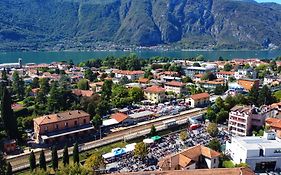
(127, 114)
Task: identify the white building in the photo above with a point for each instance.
(11, 65)
(191, 71)
(245, 73)
(225, 75)
(131, 75)
(260, 153)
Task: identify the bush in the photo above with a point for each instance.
(228, 164)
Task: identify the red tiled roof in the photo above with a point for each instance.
(154, 89)
(128, 72)
(175, 83)
(119, 116)
(53, 118)
(226, 73)
(143, 80)
(200, 96)
(274, 122)
(198, 75)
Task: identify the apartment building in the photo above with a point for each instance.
(155, 94)
(242, 119)
(191, 71)
(225, 74)
(248, 84)
(175, 87)
(131, 75)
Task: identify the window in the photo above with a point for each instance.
(214, 160)
(66, 124)
(75, 123)
(46, 128)
(57, 126)
(84, 121)
(261, 152)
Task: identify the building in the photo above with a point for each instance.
(9, 146)
(271, 80)
(225, 75)
(191, 71)
(82, 93)
(274, 124)
(247, 84)
(154, 94)
(243, 119)
(131, 75)
(175, 87)
(61, 126)
(214, 171)
(211, 84)
(260, 153)
(97, 87)
(199, 100)
(245, 73)
(12, 65)
(196, 157)
(141, 116)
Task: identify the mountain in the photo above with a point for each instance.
(218, 24)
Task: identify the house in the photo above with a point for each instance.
(225, 75)
(195, 157)
(211, 84)
(245, 73)
(155, 94)
(273, 123)
(261, 154)
(97, 87)
(82, 93)
(197, 77)
(131, 75)
(175, 87)
(61, 126)
(243, 119)
(143, 80)
(121, 118)
(199, 100)
(248, 84)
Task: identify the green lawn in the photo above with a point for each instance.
(277, 94)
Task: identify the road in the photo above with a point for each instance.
(21, 162)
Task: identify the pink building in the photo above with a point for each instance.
(243, 119)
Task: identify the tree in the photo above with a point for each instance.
(95, 161)
(4, 75)
(32, 161)
(74, 169)
(211, 115)
(153, 131)
(140, 150)
(42, 161)
(196, 64)
(76, 153)
(88, 74)
(9, 169)
(187, 79)
(148, 74)
(102, 108)
(55, 160)
(97, 122)
(222, 116)
(7, 115)
(83, 84)
(183, 135)
(65, 157)
(3, 164)
(209, 76)
(219, 103)
(214, 144)
(136, 94)
(18, 85)
(212, 129)
(53, 101)
(227, 67)
(107, 89)
(124, 80)
(44, 85)
(27, 91)
(229, 102)
(253, 95)
(265, 96)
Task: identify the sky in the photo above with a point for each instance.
(277, 1)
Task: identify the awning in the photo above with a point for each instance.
(108, 155)
(154, 138)
(148, 141)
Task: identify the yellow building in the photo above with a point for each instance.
(155, 94)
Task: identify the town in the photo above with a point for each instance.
(128, 114)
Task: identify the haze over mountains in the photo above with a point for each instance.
(193, 24)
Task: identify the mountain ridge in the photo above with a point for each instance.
(192, 24)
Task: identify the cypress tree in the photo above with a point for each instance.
(55, 162)
(32, 161)
(65, 157)
(9, 169)
(76, 153)
(8, 118)
(42, 161)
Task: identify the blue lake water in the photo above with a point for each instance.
(48, 57)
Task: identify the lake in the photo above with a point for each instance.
(48, 57)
